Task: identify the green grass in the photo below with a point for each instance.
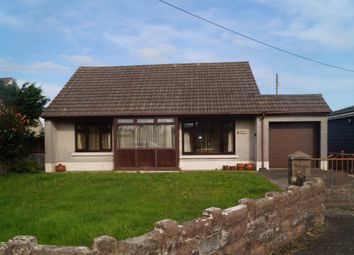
(74, 208)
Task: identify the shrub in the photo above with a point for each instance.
(25, 166)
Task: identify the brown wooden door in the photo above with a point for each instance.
(288, 137)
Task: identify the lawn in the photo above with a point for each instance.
(74, 208)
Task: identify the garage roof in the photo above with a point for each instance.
(313, 103)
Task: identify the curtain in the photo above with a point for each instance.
(106, 140)
(146, 136)
(94, 138)
(127, 137)
(165, 135)
(230, 143)
(81, 141)
(187, 141)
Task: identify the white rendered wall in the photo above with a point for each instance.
(60, 148)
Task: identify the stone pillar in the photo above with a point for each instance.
(299, 168)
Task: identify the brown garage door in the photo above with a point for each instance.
(288, 137)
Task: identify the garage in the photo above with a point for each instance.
(288, 137)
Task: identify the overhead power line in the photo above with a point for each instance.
(256, 40)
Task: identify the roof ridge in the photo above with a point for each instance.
(169, 64)
(312, 94)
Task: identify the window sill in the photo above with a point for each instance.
(91, 154)
(209, 156)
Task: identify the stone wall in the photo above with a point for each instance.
(252, 227)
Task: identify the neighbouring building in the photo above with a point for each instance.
(178, 116)
(341, 131)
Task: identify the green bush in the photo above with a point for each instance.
(25, 166)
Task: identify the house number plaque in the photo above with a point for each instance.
(241, 132)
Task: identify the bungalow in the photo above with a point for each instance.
(178, 116)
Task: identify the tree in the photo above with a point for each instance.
(20, 109)
(13, 131)
(27, 99)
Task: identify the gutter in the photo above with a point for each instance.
(341, 116)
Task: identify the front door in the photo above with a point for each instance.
(145, 143)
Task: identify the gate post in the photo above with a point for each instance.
(299, 166)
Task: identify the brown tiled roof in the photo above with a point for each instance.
(311, 103)
(172, 89)
(178, 89)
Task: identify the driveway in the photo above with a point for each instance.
(335, 237)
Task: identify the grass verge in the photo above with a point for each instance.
(74, 208)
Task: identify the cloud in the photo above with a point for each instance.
(83, 60)
(303, 83)
(8, 20)
(325, 22)
(160, 53)
(50, 90)
(163, 43)
(46, 66)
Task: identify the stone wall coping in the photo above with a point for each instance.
(299, 155)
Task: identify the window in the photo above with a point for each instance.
(126, 137)
(145, 120)
(146, 136)
(93, 137)
(125, 121)
(165, 136)
(208, 137)
(165, 120)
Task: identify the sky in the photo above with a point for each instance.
(45, 41)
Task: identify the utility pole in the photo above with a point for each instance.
(276, 84)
